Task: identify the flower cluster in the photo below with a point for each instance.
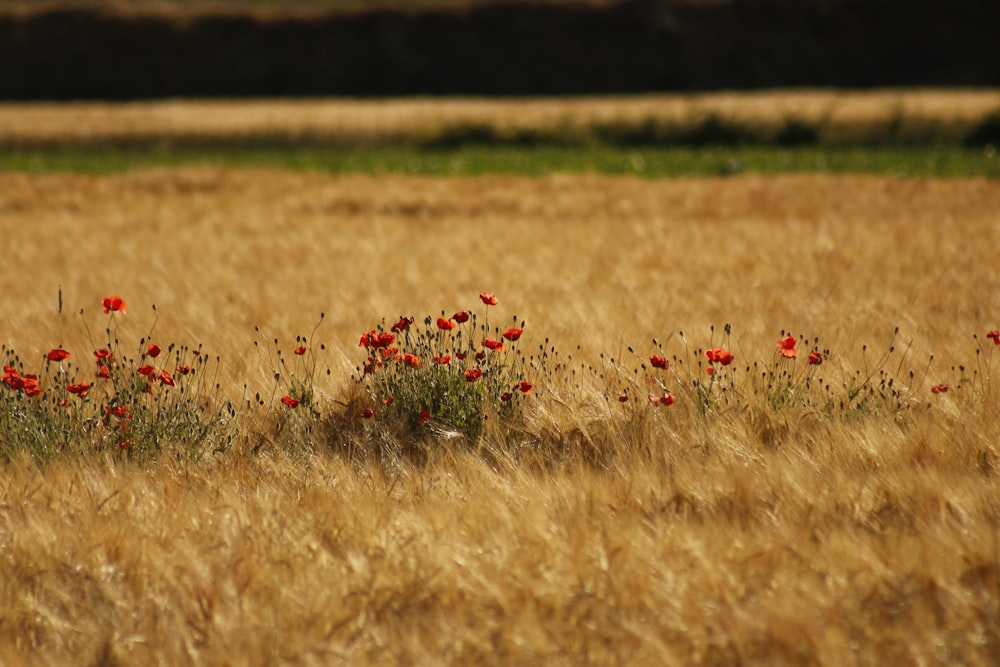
(476, 372)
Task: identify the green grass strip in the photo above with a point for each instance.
(653, 162)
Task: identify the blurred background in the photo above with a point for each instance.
(145, 49)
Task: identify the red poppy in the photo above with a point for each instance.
(125, 444)
(710, 370)
(995, 335)
(146, 370)
(153, 350)
(80, 389)
(493, 344)
(166, 379)
(460, 355)
(524, 387)
(940, 388)
(786, 346)
(402, 325)
(102, 354)
(659, 362)
(411, 360)
(815, 358)
(182, 370)
(290, 402)
(57, 354)
(506, 396)
(424, 417)
(367, 413)
(473, 374)
(376, 339)
(445, 325)
(666, 399)
(718, 355)
(442, 358)
(489, 298)
(461, 316)
(480, 355)
(113, 303)
(33, 391)
(300, 350)
(102, 371)
(623, 397)
(120, 411)
(512, 334)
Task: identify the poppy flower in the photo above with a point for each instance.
(480, 355)
(102, 354)
(290, 402)
(113, 303)
(940, 388)
(461, 316)
(460, 355)
(33, 391)
(153, 350)
(512, 334)
(995, 335)
(524, 387)
(376, 339)
(166, 379)
(445, 325)
(666, 399)
(659, 362)
(300, 350)
(442, 358)
(125, 444)
(473, 374)
(718, 355)
(120, 411)
(424, 417)
(402, 325)
(786, 346)
(493, 344)
(57, 354)
(489, 298)
(80, 389)
(623, 397)
(505, 397)
(102, 371)
(367, 413)
(182, 370)
(146, 370)
(710, 370)
(411, 360)
(815, 358)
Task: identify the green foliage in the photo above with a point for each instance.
(534, 160)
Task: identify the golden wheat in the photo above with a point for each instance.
(757, 536)
(923, 115)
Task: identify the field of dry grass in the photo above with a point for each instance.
(757, 535)
(911, 116)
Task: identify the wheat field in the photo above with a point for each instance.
(838, 117)
(753, 536)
